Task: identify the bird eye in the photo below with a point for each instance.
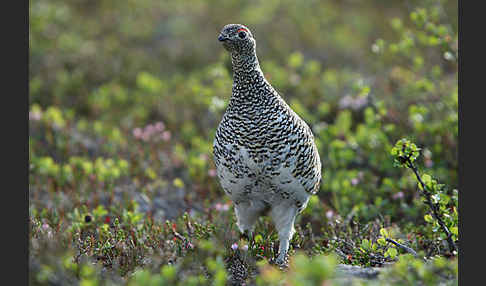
(242, 35)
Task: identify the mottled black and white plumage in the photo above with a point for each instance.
(265, 155)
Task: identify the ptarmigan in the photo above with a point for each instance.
(265, 155)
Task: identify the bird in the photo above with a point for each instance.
(265, 156)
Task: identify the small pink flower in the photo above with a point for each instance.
(398, 195)
(145, 136)
(137, 133)
(354, 181)
(221, 207)
(166, 136)
(212, 173)
(150, 129)
(45, 226)
(35, 115)
(329, 214)
(203, 157)
(218, 206)
(159, 126)
(190, 245)
(234, 246)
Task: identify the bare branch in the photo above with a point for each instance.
(404, 247)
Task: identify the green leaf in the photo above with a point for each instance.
(384, 232)
(426, 179)
(258, 238)
(295, 60)
(168, 272)
(391, 252)
(381, 241)
(455, 230)
(365, 244)
(428, 218)
(420, 186)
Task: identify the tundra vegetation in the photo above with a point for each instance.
(124, 100)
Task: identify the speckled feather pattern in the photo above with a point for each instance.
(264, 153)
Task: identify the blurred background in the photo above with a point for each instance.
(125, 97)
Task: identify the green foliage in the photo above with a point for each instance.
(303, 271)
(412, 271)
(443, 222)
(404, 152)
(125, 98)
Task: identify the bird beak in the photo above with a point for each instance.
(222, 38)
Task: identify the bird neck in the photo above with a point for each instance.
(244, 64)
(250, 88)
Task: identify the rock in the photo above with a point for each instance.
(348, 274)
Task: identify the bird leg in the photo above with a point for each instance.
(283, 216)
(247, 214)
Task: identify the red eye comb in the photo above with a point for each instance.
(242, 29)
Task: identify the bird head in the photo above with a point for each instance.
(237, 38)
